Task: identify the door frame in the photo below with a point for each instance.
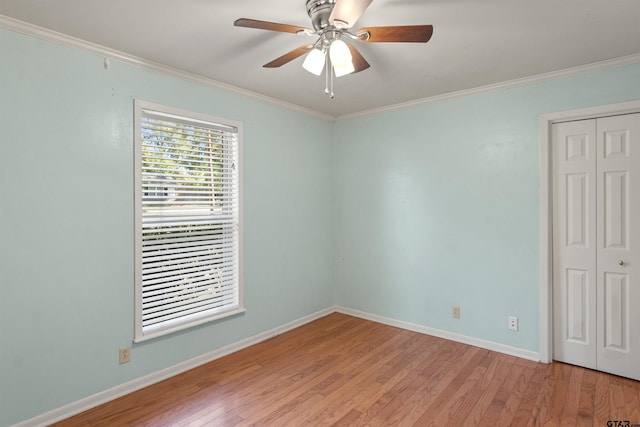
(546, 209)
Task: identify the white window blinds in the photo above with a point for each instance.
(188, 220)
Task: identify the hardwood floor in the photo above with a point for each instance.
(340, 370)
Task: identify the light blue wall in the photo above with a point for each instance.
(438, 205)
(66, 222)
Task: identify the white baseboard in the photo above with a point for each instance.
(147, 380)
(489, 345)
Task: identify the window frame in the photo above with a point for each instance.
(139, 112)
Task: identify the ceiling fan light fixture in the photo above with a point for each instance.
(314, 62)
(341, 58)
(340, 54)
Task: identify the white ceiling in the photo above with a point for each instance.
(475, 42)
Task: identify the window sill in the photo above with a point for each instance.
(168, 329)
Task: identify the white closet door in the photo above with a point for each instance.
(574, 243)
(596, 234)
(618, 212)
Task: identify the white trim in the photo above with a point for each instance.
(74, 42)
(155, 377)
(609, 63)
(464, 339)
(70, 41)
(546, 209)
(545, 245)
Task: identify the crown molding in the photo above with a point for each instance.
(609, 63)
(96, 49)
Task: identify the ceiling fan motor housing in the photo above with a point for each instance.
(319, 12)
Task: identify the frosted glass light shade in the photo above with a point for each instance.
(339, 53)
(314, 62)
(341, 58)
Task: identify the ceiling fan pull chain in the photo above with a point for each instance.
(331, 83)
(327, 68)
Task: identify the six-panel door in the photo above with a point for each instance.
(595, 227)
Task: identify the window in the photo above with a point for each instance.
(188, 227)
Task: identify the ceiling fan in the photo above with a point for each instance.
(332, 21)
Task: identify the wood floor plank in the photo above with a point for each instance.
(525, 413)
(601, 409)
(572, 402)
(348, 419)
(434, 373)
(617, 403)
(368, 365)
(561, 373)
(501, 408)
(345, 371)
(461, 403)
(488, 392)
(387, 376)
(420, 352)
(545, 398)
(516, 397)
(587, 398)
(632, 398)
(396, 398)
(449, 385)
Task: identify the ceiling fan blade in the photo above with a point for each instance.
(359, 63)
(398, 33)
(345, 13)
(289, 56)
(271, 26)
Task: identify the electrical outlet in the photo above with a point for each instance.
(455, 312)
(125, 355)
(513, 323)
